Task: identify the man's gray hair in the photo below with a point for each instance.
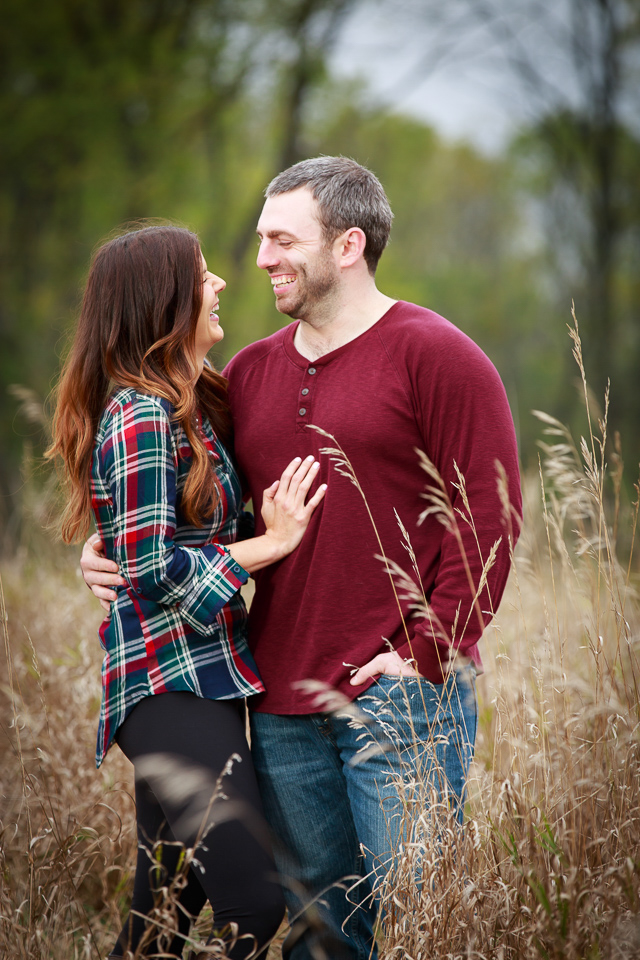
(347, 194)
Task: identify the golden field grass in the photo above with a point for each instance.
(549, 862)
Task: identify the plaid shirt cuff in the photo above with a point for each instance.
(217, 580)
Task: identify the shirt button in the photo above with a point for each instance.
(311, 370)
(302, 411)
(305, 391)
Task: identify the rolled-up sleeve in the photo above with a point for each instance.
(140, 461)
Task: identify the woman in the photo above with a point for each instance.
(142, 426)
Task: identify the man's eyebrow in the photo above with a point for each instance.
(276, 233)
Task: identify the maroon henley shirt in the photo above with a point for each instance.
(413, 380)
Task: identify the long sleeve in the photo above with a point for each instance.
(466, 424)
(140, 465)
(412, 381)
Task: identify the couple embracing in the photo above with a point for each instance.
(163, 451)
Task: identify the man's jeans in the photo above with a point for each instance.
(325, 794)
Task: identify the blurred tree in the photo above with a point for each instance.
(116, 110)
(91, 96)
(575, 66)
(586, 156)
(301, 37)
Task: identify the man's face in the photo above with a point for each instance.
(301, 264)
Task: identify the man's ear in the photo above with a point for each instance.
(350, 246)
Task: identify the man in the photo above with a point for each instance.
(386, 379)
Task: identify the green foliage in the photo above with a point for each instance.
(583, 174)
(112, 111)
(118, 110)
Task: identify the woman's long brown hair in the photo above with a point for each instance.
(137, 329)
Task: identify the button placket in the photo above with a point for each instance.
(304, 400)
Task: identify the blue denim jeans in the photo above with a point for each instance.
(330, 790)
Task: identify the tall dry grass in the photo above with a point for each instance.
(65, 856)
(549, 862)
(548, 865)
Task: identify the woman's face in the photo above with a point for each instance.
(208, 329)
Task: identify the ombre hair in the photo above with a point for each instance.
(137, 328)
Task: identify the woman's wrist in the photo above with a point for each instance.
(258, 552)
(280, 548)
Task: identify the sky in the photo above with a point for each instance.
(436, 61)
(461, 97)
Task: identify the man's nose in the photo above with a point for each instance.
(266, 254)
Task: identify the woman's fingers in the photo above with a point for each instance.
(286, 497)
(271, 491)
(285, 513)
(317, 497)
(298, 477)
(287, 474)
(303, 478)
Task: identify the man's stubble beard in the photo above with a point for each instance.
(319, 287)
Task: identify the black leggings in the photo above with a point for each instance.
(196, 738)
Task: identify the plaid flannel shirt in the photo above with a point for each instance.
(180, 623)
